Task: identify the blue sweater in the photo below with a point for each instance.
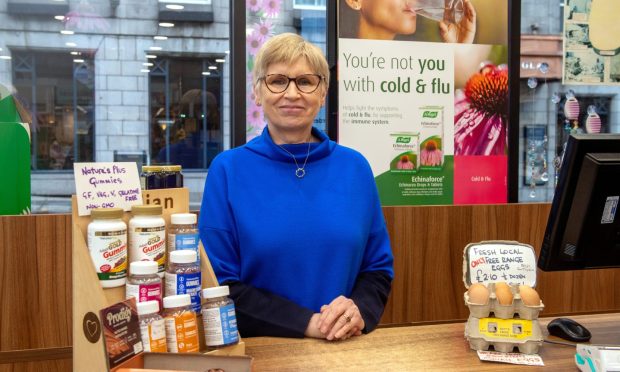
(306, 240)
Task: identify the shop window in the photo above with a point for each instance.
(186, 111)
(58, 90)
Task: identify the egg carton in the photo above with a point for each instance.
(517, 307)
(528, 344)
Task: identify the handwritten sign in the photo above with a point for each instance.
(512, 263)
(512, 358)
(106, 185)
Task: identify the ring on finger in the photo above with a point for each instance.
(347, 318)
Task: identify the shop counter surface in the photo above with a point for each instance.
(415, 348)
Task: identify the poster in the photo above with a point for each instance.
(591, 42)
(423, 95)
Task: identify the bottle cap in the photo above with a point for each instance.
(147, 307)
(177, 301)
(148, 210)
(183, 219)
(214, 292)
(107, 213)
(183, 256)
(143, 267)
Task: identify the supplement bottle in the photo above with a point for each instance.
(218, 317)
(183, 233)
(183, 277)
(152, 327)
(147, 236)
(143, 282)
(107, 243)
(181, 325)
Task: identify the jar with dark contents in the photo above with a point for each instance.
(183, 276)
(218, 317)
(161, 177)
(172, 175)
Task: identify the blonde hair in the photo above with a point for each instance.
(287, 48)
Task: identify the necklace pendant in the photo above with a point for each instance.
(300, 172)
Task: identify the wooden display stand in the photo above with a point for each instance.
(89, 297)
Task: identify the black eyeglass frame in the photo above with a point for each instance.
(321, 77)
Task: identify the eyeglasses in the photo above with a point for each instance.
(278, 83)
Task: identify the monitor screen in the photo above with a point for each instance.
(583, 230)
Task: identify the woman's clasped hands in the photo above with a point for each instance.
(339, 320)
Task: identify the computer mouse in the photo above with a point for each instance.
(568, 329)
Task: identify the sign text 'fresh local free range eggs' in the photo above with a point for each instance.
(106, 185)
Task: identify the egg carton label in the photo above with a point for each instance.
(517, 329)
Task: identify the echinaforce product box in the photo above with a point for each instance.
(431, 137)
(509, 325)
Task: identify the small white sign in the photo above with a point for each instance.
(512, 358)
(106, 185)
(502, 262)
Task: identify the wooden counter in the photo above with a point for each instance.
(437, 347)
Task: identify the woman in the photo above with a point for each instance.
(302, 254)
(384, 19)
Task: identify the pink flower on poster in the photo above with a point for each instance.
(431, 155)
(255, 116)
(263, 29)
(254, 43)
(272, 7)
(481, 113)
(254, 5)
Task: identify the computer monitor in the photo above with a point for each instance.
(583, 229)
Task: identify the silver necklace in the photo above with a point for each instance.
(300, 172)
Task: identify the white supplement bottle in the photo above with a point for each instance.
(147, 236)
(143, 283)
(218, 317)
(152, 327)
(107, 243)
(183, 276)
(183, 233)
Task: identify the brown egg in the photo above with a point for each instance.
(503, 293)
(529, 296)
(478, 294)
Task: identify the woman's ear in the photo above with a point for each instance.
(257, 97)
(354, 4)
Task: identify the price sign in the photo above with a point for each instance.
(501, 262)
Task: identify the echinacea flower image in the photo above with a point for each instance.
(254, 42)
(404, 163)
(431, 155)
(481, 113)
(254, 5)
(255, 116)
(263, 29)
(272, 7)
